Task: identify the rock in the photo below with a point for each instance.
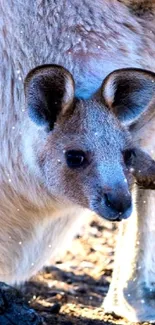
(14, 310)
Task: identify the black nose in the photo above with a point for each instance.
(118, 202)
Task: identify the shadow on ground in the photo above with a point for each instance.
(72, 291)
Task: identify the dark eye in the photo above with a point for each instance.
(128, 156)
(75, 158)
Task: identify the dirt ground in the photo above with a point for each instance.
(72, 291)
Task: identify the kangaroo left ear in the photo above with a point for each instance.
(49, 91)
(128, 93)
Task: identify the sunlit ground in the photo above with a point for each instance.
(72, 291)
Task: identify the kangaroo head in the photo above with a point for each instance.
(82, 150)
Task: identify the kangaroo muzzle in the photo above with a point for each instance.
(120, 203)
(114, 204)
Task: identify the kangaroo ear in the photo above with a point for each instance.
(49, 91)
(128, 93)
(143, 169)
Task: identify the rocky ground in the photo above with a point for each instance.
(72, 291)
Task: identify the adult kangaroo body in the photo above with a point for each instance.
(90, 40)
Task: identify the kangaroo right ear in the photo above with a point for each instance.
(129, 93)
(49, 91)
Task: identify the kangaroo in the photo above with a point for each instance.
(43, 193)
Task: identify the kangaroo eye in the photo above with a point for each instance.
(128, 156)
(75, 158)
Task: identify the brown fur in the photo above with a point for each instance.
(141, 8)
